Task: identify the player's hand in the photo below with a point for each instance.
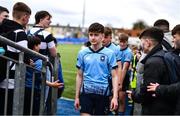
(77, 104)
(114, 104)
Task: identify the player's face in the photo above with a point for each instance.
(106, 40)
(25, 19)
(176, 40)
(46, 21)
(37, 48)
(123, 44)
(95, 38)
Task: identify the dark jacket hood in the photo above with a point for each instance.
(9, 25)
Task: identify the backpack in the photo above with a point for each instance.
(166, 45)
(172, 62)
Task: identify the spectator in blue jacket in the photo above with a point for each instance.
(34, 44)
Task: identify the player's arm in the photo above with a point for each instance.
(119, 71)
(79, 79)
(51, 45)
(124, 71)
(53, 51)
(114, 102)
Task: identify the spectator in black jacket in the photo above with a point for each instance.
(4, 13)
(172, 90)
(14, 31)
(167, 40)
(155, 70)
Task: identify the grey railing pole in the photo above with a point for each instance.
(43, 90)
(13, 44)
(54, 90)
(6, 94)
(18, 99)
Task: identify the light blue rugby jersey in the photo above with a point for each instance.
(115, 49)
(96, 67)
(126, 55)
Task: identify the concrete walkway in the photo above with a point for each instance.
(66, 107)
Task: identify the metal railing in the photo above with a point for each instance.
(19, 82)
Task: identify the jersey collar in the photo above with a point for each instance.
(108, 45)
(97, 50)
(123, 49)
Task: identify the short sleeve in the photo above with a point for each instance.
(112, 61)
(79, 63)
(128, 57)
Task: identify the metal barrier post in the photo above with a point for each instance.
(18, 100)
(43, 89)
(6, 93)
(54, 90)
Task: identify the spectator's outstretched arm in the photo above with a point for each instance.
(55, 84)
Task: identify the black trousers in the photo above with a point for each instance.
(27, 101)
(9, 103)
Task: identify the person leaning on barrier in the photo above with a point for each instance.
(34, 44)
(13, 30)
(4, 14)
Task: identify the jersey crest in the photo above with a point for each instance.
(102, 58)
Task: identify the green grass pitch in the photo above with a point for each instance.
(68, 60)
